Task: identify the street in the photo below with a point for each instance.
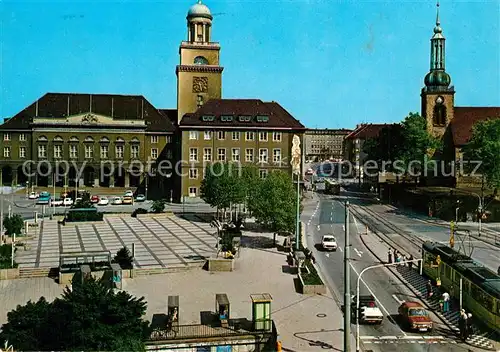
(327, 217)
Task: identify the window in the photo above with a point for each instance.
(249, 155)
(154, 153)
(192, 191)
(263, 136)
(262, 155)
(236, 136)
(134, 151)
(221, 135)
(245, 118)
(22, 152)
(235, 154)
(277, 155)
(57, 151)
(193, 134)
(208, 118)
(193, 154)
(104, 151)
(250, 136)
(22, 137)
(73, 151)
(200, 60)
(169, 139)
(226, 118)
(42, 151)
(6, 152)
(221, 154)
(276, 136)
(207, 154)
(119, 151)
(482, 297)
(6, 136)
(199, 101)
(89, 151)
(263, 173)
(207, 135)
(193, 174)
(262, 118)
(154, 139)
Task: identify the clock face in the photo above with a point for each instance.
(440, 100)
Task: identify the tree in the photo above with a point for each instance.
(223, 185)
(158, 206)
(386, 147)
(84, 202)
(124, 258)
(484, 146)
(274, 202)
(6, 256)
(88, 317)
(13, 225)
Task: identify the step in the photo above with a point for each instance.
(155, 271)
(34, 272)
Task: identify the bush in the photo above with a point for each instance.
(83, 203)
(312, 278)
(91, 214)
(139, 211)
(158, 206)
(6, 256)
(124, 258)
(13, 225)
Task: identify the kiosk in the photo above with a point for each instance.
(172, 312)
(261, 311)
(117, 276)
(222, 308)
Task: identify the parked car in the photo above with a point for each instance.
(309, 172)
(129, 193)
(57, 202)
(116, 201)
(103, 201)
(43, 198)
(140, 198)
(68, 202)
(415, 316)
(33, 195)
(329, 243)
(94, 199)
(128, 200)
(368, 310)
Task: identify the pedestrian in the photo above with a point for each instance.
(441, 304)
(428, 286)
(446, 301)
(470, 329)
(462, 325)
(389, 256)
(410, 264)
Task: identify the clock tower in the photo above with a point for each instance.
(199, 74)
(437, 95)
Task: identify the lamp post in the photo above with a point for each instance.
(347, 283)
(357, 290)
(295, 163)
(456, 211)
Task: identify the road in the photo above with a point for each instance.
(328, 217)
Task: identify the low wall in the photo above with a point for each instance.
(311, 289)
(220, 264)
(9, 274)
(236, 345)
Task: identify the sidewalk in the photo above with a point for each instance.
(417, 284)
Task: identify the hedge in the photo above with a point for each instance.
(84, 215)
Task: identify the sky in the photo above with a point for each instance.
(331, 64)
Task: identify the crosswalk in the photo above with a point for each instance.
(407, 340)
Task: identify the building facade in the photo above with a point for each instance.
(325, 144)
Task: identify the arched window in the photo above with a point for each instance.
(439, 117)
(200, 60)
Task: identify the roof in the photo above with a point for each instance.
(465, 117)
(277, 116)
(365, 131)
(120, 107)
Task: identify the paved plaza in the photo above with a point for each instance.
(160, 240)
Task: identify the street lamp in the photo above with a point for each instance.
(357, 290)
(456, 211)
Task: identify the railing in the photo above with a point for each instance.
(199, 331)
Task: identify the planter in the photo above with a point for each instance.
(220, 264)
(311, 289)
(9, 274)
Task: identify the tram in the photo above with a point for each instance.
(480, 285)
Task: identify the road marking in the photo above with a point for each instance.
(343, 227)
(376, 299)
(340, 248)
(327, 255)
(331, 218)
(357, 252)
(319, 227)
(397, 299)
(388, 337)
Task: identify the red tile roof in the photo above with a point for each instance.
(277, 115)
(464, 119)
(365, 131)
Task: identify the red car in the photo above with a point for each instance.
(94, 199)
(415, 316)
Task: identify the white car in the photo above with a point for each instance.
(329, 243)
(103, 201)
(33, 195)
(57, 202)
(67, 202)
(116, 201)
(129, 193)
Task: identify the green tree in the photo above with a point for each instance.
(13, 225)
(84, 202)
(223, 185)
(274, 202)
(124, 258)
(6, 256)
(484, 146)
(89, 317)
(158, 206)
(386, 147)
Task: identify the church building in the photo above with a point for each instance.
(91, 140)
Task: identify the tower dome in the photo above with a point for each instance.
(437, 78)
(199, 10)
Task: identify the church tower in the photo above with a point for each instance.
(437, 95)
(199, 74)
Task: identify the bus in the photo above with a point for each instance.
(44, 198)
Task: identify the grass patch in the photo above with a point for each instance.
(311, 278)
